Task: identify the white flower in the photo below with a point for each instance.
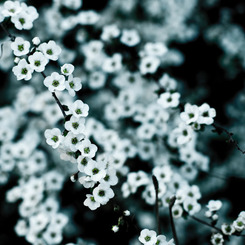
(67, 69)
(149, 64)
(90, 202)
(103, 193)
(38, 61)
(96, 170)
(177, 211)
(36, 41)
(109, 32)
(79, 109)
(97, 79)
(23, 70)
(76, 125)
(88, 17)
(52, 235)
(113, 63)
(111, 177)
(20, 46)
(21, 228)
(227, 229)
(82, 162)
(11, 8)
(130, 37)
(190, 114)
(87, 148)
(55, 82)
(169, 100)
(238, 224)
(50, 50)
(38, 222)
(87, 182)
(72, 140)
(53, 137)
(214, 205)
(191, 206)
(148, 237)
(73, 84)
(115, 228)
(22, 21)
(206, 114)
(217, 239)
(162, 173)
(168, 83)
(155, 49)
(183, 134)
(126, 213)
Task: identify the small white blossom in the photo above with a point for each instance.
(214, 205)
(73, 84)
(23, 70)
(50, 50)
(79, 109)
(148, 237)
(38, 61)
(130, 37)
(169, 100)
(190, 114)
(67, 69)
(206, 114)
(20, 46)
(55, 82)
(76, 125)
(103, 193)
(217, 239)
(90, 202)
(53, 137)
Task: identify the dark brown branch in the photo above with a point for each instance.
(156, 186)
(171, 204)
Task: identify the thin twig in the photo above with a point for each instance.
(12, 38)
(171, 204)
(230, 140)
(205, 223)
(156, 186)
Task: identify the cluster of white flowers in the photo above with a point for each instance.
(21, 15)
(40, 219)
(150, 237)
(196, 116)
(136, 130)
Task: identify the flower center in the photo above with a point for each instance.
(24, 71)
(55, 138)
(75, 125)
(55, 83)
(21, 47)
(49, 51)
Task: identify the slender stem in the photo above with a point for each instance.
(205, 223)
(12, 38)
(156, 186)
(231, 140)
(56, 99)
(171, 204)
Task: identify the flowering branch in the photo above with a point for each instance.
(171, 204)
(156, 186)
